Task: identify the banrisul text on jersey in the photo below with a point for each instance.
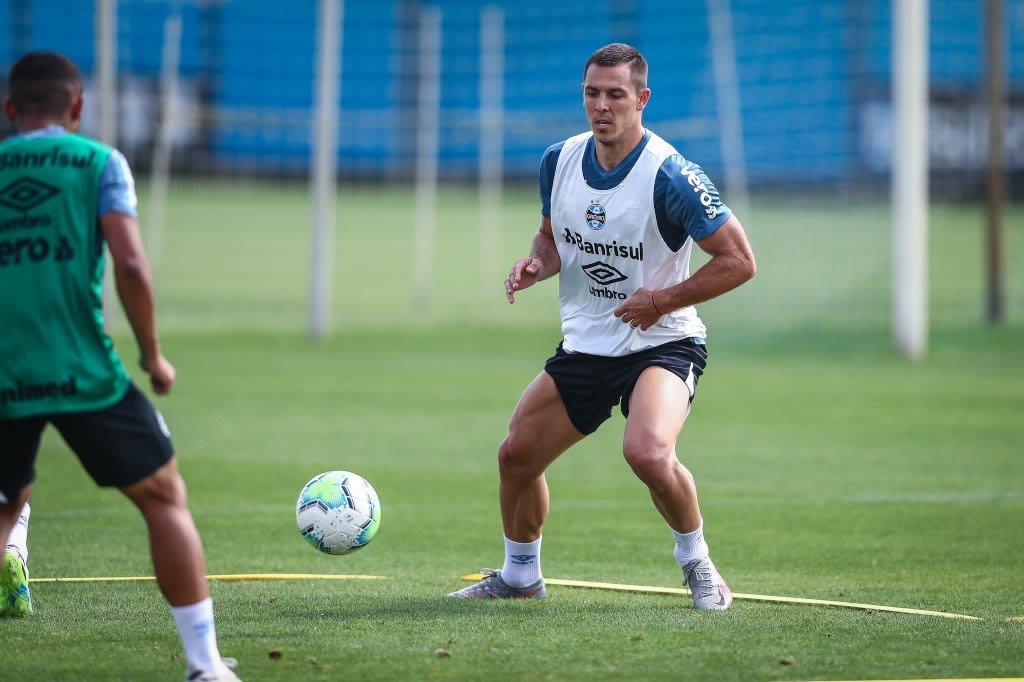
(633, 251)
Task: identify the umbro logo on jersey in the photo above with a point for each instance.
(603, 274)
(26, 193)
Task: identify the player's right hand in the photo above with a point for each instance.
(524, 274)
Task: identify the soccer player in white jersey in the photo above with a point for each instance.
(621, 210)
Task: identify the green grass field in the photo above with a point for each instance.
(829, 468)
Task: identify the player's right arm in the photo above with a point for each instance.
(134, 281)
(543, 262)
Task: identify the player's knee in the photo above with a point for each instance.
(513, 461)
(648, 460)
(163, 486)
(506, 456)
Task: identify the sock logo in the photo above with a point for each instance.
(523, 559)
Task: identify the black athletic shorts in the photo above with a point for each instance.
(118, 445)
(590, 385)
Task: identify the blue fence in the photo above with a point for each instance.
(813, 78)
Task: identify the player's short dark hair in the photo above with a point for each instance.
(43, 83)
(620, 53)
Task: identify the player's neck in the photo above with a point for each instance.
(28, 124)
(611, 155)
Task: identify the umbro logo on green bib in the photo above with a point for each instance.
(26, 193)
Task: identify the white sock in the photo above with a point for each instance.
(690, 546)
(17, 542)
(198, 636)
(522, 563)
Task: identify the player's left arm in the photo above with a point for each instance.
(132, 274)
(687, 206)
(134, 281)
(731, 264)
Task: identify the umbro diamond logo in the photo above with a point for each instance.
(603, 273)
(26, 193)
(523, 559)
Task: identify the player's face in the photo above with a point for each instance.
(612, 103)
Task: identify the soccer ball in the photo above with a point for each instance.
(338, 512)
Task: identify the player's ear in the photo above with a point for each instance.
(75, 111)
(641, 101)
(10, 111)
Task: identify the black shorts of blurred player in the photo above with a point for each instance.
(118, 445)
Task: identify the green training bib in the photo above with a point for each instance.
(55, 355)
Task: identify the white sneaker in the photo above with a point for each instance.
(709, 591)
(493, 587)
(221, 673)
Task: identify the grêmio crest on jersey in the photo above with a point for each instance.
(596, 215)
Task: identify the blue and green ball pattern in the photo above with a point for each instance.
(338, 512)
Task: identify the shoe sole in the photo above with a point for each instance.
(532, 595)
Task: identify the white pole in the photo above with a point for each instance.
(325, 160)
(730, 112)
(492, 142)
(105, 55)
(106, 69)
(995, 185)
(428, 118)
(910, 176)
(159, 177)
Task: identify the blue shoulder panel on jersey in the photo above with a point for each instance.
(686, 203)
(547, 177)
(117, 187)
(599, 178)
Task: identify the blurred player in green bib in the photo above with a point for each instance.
(63, 199)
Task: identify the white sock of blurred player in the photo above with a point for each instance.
(195, 625)
(17, 542)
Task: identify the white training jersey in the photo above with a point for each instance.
(623, 229)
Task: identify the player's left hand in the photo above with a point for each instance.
(638, 311)
(161, 374)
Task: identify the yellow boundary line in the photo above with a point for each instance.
(218, 578)
(650, 589)
(234, 577)
(737, 595)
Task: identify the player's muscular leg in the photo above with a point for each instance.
(539, 432)
(178, 559)
(657, 411)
